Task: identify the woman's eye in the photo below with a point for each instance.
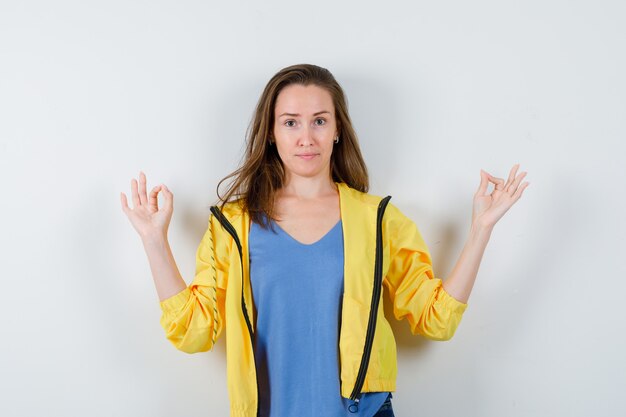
(289, 121)
(321, 120)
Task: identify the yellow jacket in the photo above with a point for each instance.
(221, 293)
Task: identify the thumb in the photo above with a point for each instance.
(169, 197)
(484, 182)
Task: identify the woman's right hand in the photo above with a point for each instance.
(146, 217)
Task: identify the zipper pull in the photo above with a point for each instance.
(354, 407)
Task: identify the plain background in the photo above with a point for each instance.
(93, 92)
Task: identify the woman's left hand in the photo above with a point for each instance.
(489, 208)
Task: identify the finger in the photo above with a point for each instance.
(133, 188)
(124, 203)
(484, 183)
(154, 201)
(142, 188)
(518, 193)
(519, 179)
(490, 179)
(499, 183)
(511, 178)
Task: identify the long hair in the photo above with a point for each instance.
(262, 173)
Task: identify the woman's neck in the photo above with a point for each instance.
(308, 187)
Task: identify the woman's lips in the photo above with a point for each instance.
(307, 156)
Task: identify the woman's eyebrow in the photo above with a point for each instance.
(297, 114)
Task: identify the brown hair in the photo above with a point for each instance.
(262, 173)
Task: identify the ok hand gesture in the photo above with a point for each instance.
(146, 217)
(489, 208)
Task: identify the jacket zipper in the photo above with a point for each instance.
(230, 229)
(371, 325)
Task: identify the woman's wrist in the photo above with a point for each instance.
(155, 238)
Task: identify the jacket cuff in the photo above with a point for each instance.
(175, 302)
(451, 303)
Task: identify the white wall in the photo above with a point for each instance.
(93, 92)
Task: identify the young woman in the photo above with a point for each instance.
(293, 262)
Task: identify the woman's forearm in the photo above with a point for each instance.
(167, 278)
(461, 281)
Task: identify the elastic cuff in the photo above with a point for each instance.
(451, 302)
(175, 302)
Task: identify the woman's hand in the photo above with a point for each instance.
(489, 208)
(146, 217)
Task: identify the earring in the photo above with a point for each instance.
(336, 139)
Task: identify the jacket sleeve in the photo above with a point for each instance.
(193, 319)
(414, 291)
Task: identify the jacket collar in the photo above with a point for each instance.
(358, 218)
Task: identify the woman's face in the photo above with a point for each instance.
(304, 130)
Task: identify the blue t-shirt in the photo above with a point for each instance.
(297, 290)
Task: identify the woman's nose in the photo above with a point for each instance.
(306, 138)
